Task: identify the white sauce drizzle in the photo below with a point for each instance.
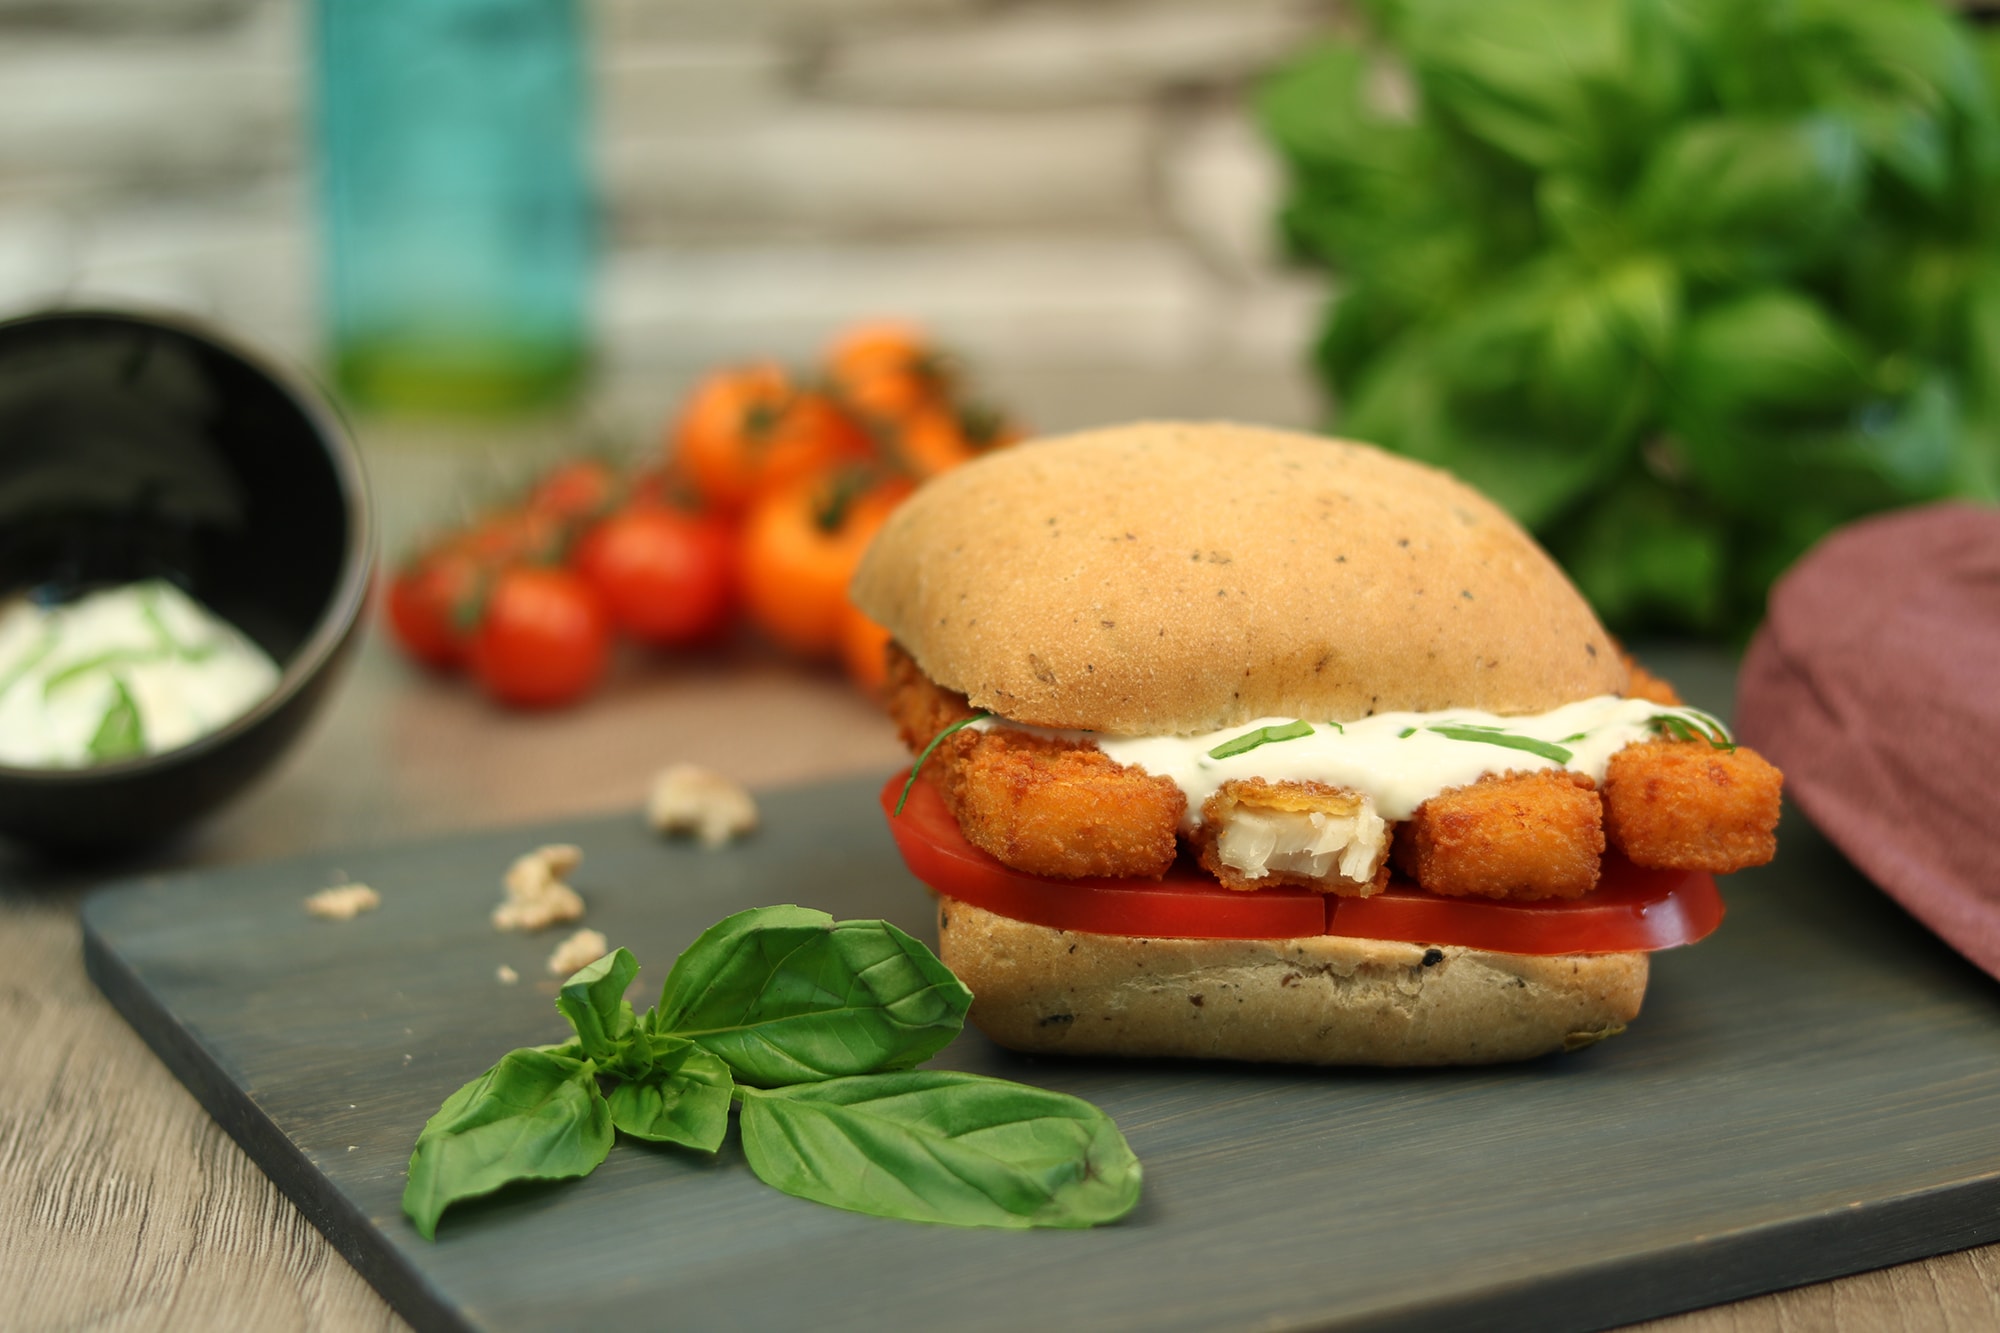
(1373, 756)
(124, 671)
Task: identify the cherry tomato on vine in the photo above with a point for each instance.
(431, 605)
(667, 577)
(750, 430)
(864, 649)
(575, 490)
(543, 638)
(511, 536)
(888, 370)
(800, 547)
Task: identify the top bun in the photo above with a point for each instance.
(1176, 577)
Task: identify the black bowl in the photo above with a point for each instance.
(142, 446)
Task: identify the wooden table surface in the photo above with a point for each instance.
(123, 1206)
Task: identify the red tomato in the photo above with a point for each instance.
(1631, 909)
(543, 639)
(431, 606)
(667, 577)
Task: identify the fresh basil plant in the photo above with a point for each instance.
(1683, 284)
(814, 1028)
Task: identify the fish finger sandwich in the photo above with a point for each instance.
(1246, 744)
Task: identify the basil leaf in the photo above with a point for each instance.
(1645, 550)
(684, 1098)
(1749, 199)
(119, 735)
(941, 1146)
(594, 1003)
(1579, 85)
(1250, 740)
(534, 1116)
(788, 995)
(1773, 350)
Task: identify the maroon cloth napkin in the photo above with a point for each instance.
(1875, 685)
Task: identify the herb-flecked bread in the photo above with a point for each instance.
(1177, 577)
(1323, 999)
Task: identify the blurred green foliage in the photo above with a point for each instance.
(1682, 283)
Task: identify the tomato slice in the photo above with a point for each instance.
(1632, 908)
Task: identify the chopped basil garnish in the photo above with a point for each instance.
(1701, 726)
(917, 767)
(119, 735)
(1250, 740)
(1491, 736)
(90, 666)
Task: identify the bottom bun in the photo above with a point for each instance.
(1326, 1000)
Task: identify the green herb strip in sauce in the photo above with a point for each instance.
(1546, 749)
(1700, 727)
(1250, 740)
(119, 735)
(936, 740)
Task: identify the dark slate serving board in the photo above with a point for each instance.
(1813, 1091)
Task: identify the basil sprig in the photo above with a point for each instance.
(813, 1026)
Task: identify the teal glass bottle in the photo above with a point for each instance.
(458, 224)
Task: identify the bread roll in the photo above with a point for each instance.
(1326, 999)
(1173, 578)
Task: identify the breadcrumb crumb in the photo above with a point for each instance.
(537, 894)
(687, 798)
(343, 902)
(578, 951)
(508, 976)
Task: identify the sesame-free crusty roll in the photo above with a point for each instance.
(1323, 999)
(1178, 577)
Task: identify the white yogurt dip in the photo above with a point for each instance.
(120, 673)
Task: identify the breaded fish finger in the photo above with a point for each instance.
(1508, 835)
(1049, 807)
(1064, 810)
(1685, 805)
